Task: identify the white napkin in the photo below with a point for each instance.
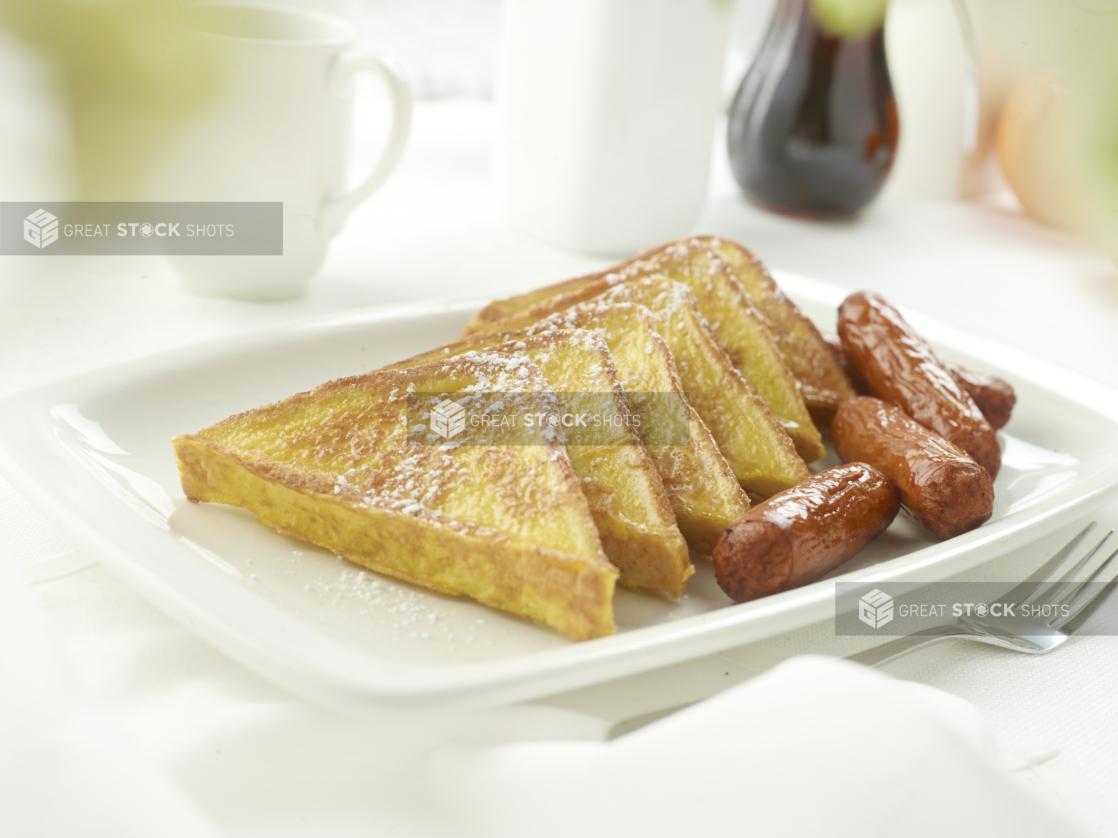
(817, 746)
(64, 768)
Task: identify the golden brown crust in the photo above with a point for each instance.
(704, 493)
(901, 368)
(500, 310)
(720, 299)
(761, 454)
(823, 382)
(759, 446)
(799, 535)
(505, 524)
(946, 491)
(572, 595)
(631, 507)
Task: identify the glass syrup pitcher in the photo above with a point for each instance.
(813, 127)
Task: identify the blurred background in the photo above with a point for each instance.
(1015, 102)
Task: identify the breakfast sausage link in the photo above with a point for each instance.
(994, 396)
(947, 491)
(900, 368)
(798, 535)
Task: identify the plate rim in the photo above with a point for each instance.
(498, 682)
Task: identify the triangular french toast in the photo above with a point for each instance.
(720, 299)
(341, 467)
(626, 495)
(705, 495)
(822, 381)
(760, 453)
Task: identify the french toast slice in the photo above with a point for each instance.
(340, 467)
(502, 315)
(823, 382)
(705, 495)
(627, 499)
(720, 299)
(760, 453)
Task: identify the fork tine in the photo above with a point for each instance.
(1081, 614)
(1022, 592)
(1044, 591)
(1071, 588)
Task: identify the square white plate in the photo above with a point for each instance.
(93, 452)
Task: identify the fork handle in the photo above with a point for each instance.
(878, 655)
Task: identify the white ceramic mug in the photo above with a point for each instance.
(278, 129)
(607, 111)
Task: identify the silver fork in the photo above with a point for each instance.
(1050, 589)
(1046, 586)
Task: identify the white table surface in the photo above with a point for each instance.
(259, 762)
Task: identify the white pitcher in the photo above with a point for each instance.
(607, 111)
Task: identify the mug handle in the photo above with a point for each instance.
(345, 69)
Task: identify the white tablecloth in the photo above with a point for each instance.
(248, 759)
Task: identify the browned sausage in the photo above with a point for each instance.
(798, 535)
(994, 396)
(947, 491)
(901, 368)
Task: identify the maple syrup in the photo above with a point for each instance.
(813, 126)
